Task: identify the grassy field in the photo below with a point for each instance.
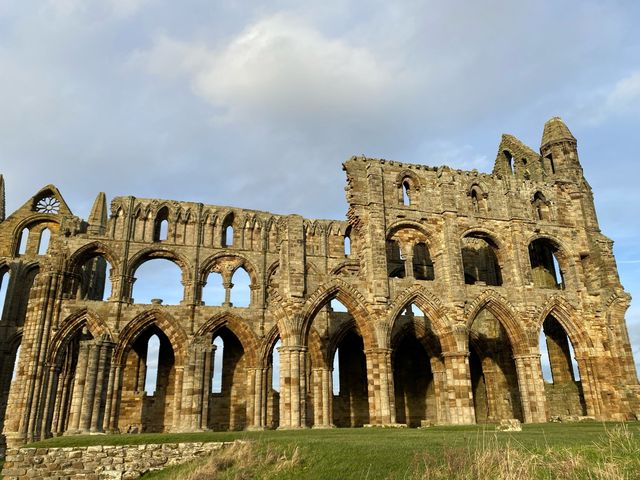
(590, 450)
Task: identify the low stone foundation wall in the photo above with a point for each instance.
(118, 462)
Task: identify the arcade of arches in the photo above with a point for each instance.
(446, 297)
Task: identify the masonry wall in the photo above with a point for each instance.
(112, 462)
(466, 269)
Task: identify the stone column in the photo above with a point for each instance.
(50, 399)
(257, 400)
(440, 389)
(101, 380)
(177, 398)
(86, 406)
(382, 405)
(293, 386)
(531, 383)
(459, 394)
(78, 389)
(196, 385)
(327, 397)
(115, 398)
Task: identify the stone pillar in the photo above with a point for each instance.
(115, 398)
(50, 399)
(382, 408)
(531, 383)
(459, 394)
(177, 398)
(257, 401)
(293, 386)
(440, 389)
(91, 373)
(78, 389)
(322, 398)
(197, 385)
(101, 380)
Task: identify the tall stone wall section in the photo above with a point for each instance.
(448, 279)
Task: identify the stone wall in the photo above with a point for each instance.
(113, 462)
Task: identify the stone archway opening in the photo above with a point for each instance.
(416, 354)
(351, 404)
(227, 395)
(141, 408)
(494, 379)
(562, 382)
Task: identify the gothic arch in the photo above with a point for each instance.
(565, 313)
(70, 326)
(432, 308)
(349, 296)
(169, 326)
(403, 223)
(267, 344)
(238, 326)
(504, 313)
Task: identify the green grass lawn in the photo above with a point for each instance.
(395, 453)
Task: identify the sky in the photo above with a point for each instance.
(256, 104)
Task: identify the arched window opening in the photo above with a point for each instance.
(95, 281)
(474, 201)
(395, 261)
(336, 373)
(480, 262)
(152, 360)
(43, 244)
(228, 236)
(14, 373)
(406, 193)
(227, 231)
(161, 225)
(24, 239)
(350, 405)
(549, 164)
(546, 270)
(540, 206)
(216, 379)
(560, 370)
(422, 263)
(213, 292)
(347, 243)
(494, 376)
(4, 286)
(158, 279)
(241, 290)
(275, 366)
(508, 161)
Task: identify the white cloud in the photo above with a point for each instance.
(280, 68)
(621, 98)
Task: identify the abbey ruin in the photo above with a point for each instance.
(448, 277)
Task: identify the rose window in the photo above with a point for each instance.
(48, 205)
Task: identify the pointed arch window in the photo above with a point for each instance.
(275, 366)
(508, 161)
(43, 245)
(4, 286)
(218, 358)
(161, 225)
(478, 200)
(227, 231)
(347, 242)
(406, 195)
(545, 267)
(152, 360)
(24, 239)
